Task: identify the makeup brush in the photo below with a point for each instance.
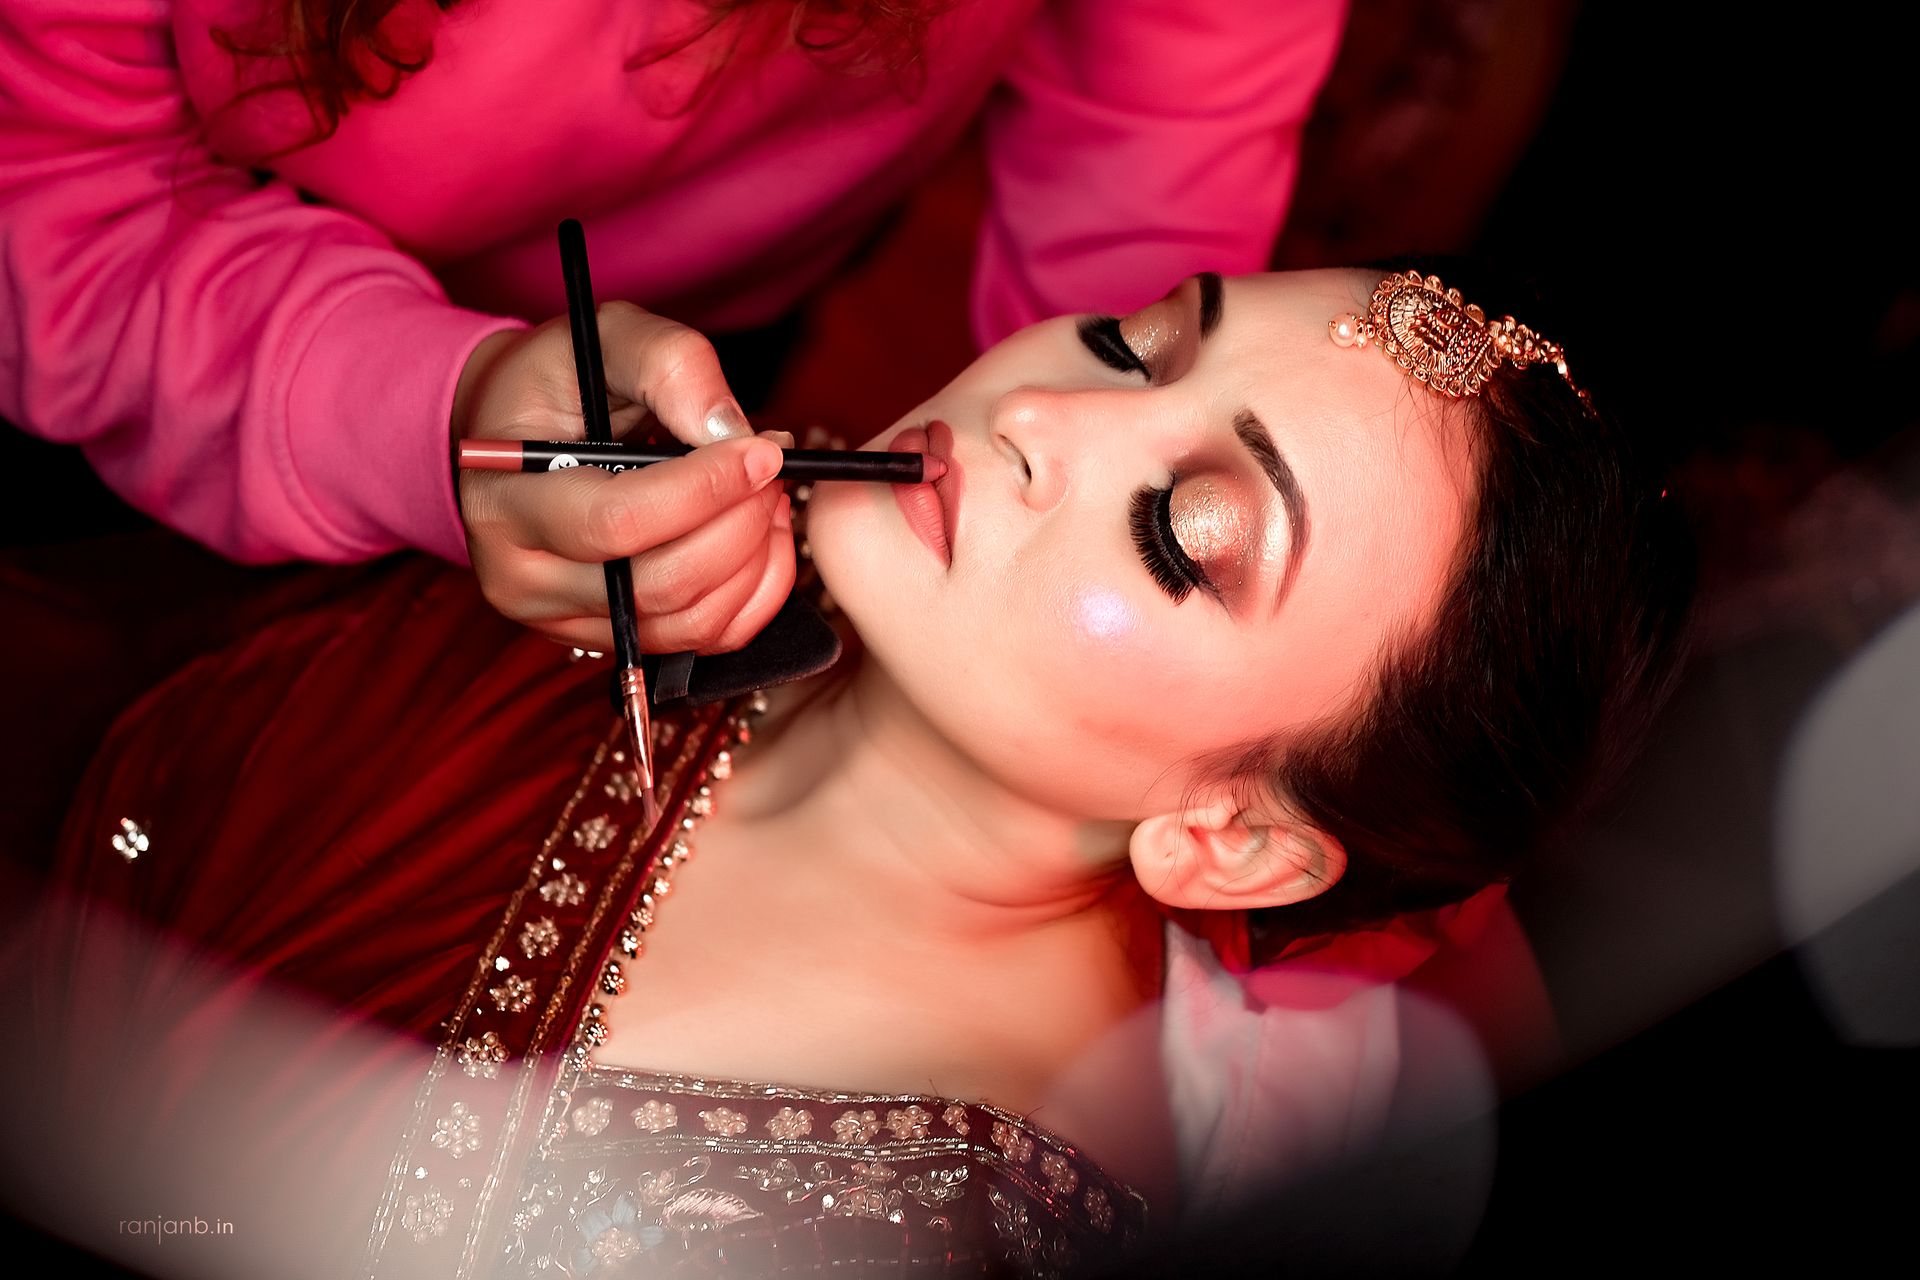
(629, 680)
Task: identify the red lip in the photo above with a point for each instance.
(950, 485)
(921, 504)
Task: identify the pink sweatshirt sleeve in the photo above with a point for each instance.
(270, 377)
(1132, 143)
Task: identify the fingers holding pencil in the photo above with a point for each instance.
(721, 621)
(699, 531)
(537, 544)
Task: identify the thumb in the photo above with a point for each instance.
(604, 517)
(671, 370)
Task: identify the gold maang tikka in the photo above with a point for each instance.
(1443, 341)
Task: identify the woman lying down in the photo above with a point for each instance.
(1288, 606)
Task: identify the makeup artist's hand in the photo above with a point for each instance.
(709, 534)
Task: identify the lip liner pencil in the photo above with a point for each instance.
(803, 465)
(630, 681)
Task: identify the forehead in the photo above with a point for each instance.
(1386, 464)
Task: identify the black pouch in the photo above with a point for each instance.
(798, 642)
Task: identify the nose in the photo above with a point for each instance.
(1041, 433)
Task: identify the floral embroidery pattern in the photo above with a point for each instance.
(610, 1236)
(1014, 1145)
(658, 1188)
(622, 785)
(540, 938)
(655, 1116)
(591, 1116)
(956, 1118)
(1099, 1209)
(425, 1216)
(515, 995)
(724, 1121)
(856, 1126)
(1060, 1175)
(457, 1133)
(595, 833)
(909, 1123)
(938, 1187)
(481, 1056)
(789, 1124)
(614, 1245)
(567, 890)
(868, 1196)
(780, 1175)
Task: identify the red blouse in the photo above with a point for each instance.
(417, 814)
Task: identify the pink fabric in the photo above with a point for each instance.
(1268, 1087)
(1279, 1071)
(268, 365)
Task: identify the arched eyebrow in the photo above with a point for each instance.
(1273, 464)
(1253, 434)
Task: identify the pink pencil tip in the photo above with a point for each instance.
(932, 469)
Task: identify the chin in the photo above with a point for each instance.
(859, 548)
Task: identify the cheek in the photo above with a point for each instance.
(1089, 616)
(1096, 667)
(1101, 616)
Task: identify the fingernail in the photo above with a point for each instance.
(783, 514)
(763, 463)
(782, 438)
(726, 422)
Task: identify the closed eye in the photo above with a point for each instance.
(1101, 335)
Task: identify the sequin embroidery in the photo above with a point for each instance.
(789, 1124)
(481, 1055)
(656, 1116)
(540, 938)
(515, 995)
(856, 1126)
(566, 890)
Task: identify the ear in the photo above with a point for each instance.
(1227, 855)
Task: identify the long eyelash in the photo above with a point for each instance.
(1101, 334)
(1151, 516)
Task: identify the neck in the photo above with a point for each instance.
(857, 783)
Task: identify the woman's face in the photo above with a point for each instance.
(1163, 538)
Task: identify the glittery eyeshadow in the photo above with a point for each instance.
(1151, 335)
(1212, 529)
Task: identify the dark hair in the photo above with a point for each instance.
(338, 52)
(1556, 641)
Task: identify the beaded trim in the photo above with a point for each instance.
(500, 1063)
(592, 1031)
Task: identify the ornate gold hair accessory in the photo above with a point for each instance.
(1443, 341)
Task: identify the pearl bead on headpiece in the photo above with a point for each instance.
(1441, 340)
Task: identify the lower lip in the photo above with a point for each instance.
(918, 502)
